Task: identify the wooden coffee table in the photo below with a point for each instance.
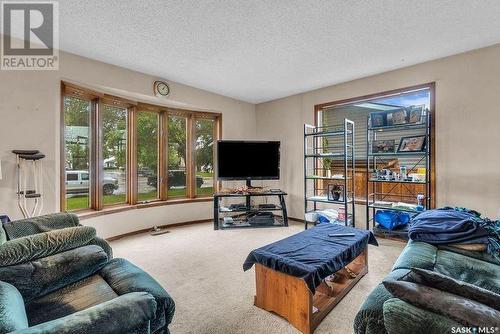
(282, 292)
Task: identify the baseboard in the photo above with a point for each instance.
(145, 230)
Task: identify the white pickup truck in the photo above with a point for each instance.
(77, 181)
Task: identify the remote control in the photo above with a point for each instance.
(341, 235)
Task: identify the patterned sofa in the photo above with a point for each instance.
(382, 313)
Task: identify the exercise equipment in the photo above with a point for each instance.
(29, 181)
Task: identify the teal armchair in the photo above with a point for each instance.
(82, 291)
(56, 276)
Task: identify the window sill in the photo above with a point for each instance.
(86, 214)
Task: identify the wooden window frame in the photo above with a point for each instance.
(98, 100)
(159, 167)
(431, 86)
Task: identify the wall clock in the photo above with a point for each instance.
(161, 88)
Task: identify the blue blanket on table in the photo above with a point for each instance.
(312, 255)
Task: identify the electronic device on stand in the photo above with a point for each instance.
(248, 160)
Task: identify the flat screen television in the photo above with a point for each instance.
(248, 160)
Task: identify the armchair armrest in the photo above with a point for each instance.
(29, 226)
(124, 314)
(40, 245)
(123, 277)
(103, 244)
(12, 311)
(37, 278)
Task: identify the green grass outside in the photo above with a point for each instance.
(82, 201)
(204, 191)
(204, 174)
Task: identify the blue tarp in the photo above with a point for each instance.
(312, 255)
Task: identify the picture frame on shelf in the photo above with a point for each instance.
(412, 144)
(335, 192)
(378, 119)
(397, 117)
(415, 114)
(384, 146)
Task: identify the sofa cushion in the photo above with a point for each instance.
(44, 244)
(462, 310)
(29, 226)
(402, 317)
(40, 277)
(12, 312)
(370, 318)
(484, 256)
(467, 269)
(445, 283)
(130, 314)
(3, 235)
(72, 298)
(416, 255)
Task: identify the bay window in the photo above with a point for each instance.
(118, 153)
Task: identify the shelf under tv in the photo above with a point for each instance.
(251, 209)
(239, 220)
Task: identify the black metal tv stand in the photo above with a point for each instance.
(241, 214)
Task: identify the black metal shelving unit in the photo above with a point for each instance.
(375, 200)
(335, 143)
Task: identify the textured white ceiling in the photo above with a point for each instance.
(260, 50)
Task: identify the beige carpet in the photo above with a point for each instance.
(202, 270)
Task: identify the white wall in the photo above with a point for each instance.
(467, 129)
(467, 126)
(30, 119)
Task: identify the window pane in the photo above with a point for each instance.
(176, 156)
(114, 151)
(77, 152)
(204, 153)
(147, 156)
